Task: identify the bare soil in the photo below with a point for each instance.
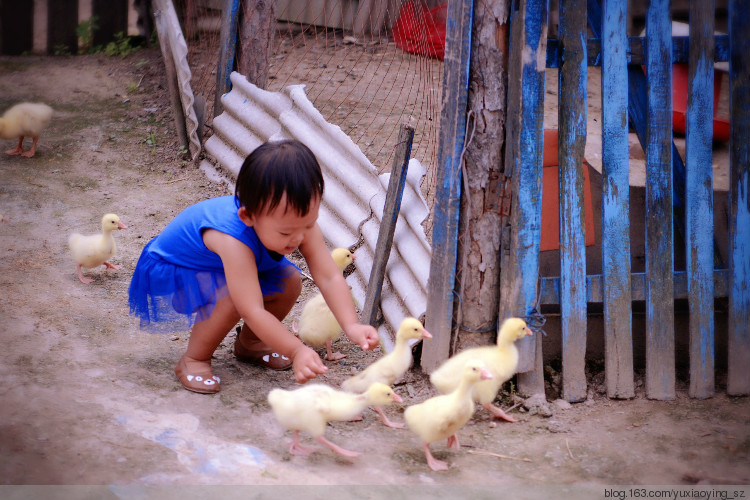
(88, 398)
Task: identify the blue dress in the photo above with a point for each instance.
(177, 280)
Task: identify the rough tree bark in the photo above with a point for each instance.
(478, 271)
(257, 26)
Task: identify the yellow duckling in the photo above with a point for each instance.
(312, 406)
(26, 119)
(317, 324)
(442, 416)
(390, 367)
(501, 360)
(96, 249)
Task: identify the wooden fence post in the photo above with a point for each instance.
(522, 203)
(660, 356)
(171, 74)
(618, 324)
(230, 12)
(738, 381)
(391, 209)
(441, 282)
(571, 142)
(699, 202)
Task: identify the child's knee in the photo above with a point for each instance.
(293, 285)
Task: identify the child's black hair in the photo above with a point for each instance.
(275, 168)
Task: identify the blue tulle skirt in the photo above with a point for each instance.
(168, 298)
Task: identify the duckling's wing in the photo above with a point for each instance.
(317, 324)
(87, 250)
(431, 420)
(447, 377)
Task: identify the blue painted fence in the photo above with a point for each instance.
(679, 194)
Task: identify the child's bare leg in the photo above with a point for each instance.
(194, 369)
(206, 335)
(248, 347)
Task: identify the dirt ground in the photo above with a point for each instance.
(89, 399)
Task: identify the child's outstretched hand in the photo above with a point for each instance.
(365, 336)
(307, 364)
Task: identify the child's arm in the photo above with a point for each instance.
(335, 290)
(244, 289)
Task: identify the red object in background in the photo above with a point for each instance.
(420, 30)
(679, 102)
(550, 237)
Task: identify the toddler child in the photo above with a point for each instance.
(222, 259)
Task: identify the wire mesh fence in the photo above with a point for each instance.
(365, 83)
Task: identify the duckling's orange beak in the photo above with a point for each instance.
(397, 398)
(354, 257)
(120, 225)
(486, 375)
(426, 334)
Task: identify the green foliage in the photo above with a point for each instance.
(85, 33)
(120, 46)
(60, 49)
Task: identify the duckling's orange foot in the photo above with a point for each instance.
(432, 462)
(330, 355)
(85, 280)
(297, 449)
(112, 266)
(338, 449)
(498, 413)
(14, 151)
(386, 421)
(453, 442)
(334, 356)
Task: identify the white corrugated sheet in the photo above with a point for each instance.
(353, 190)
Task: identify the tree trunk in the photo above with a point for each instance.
(478, 274)
(257, 27)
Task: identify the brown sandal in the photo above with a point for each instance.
(201, 381)
(265, 356)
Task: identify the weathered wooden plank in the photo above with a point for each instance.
(170, 71)
(391, 209)
(738, 380)
(523, 169)
(638, 87)
(636, 52)
(618, 338)
(442, 278)
(255, 40)
(571, 143)
(660, 357)
(699, 212)
(549, 287)
(230, 13)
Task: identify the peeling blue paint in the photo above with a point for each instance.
(699, 213)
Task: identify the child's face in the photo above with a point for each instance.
(282, 229)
